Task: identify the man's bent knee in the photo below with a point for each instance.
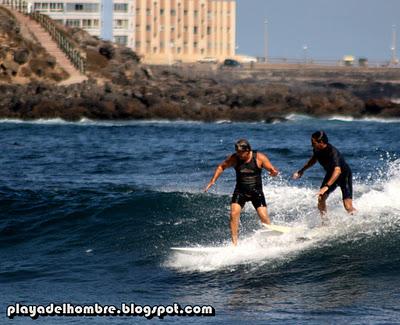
(263, 215)
(348, 205)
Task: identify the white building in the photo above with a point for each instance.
(87, 14)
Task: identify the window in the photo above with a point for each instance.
(148, 28)
(173, 12)
(161, 12)
(41, 6)
(123, 40)
(195, 29)
(86, 23)
(56, 6)
(83, 7)
(120, 23)
(148, 12)
(73, 23)
(120, 7)
(137, 44)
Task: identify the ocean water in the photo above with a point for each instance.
(89, 211)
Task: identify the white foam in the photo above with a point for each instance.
(298, 117)
(37, 121)
(343, 118)
(87, 121)
(252, 249)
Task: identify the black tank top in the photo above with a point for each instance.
(248, 175)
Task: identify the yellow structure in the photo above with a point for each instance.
(348, 60)
(169, 31)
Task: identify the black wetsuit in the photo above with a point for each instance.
(248, 183)
(329, 158)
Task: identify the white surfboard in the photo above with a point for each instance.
(278, 229)
(267, 230)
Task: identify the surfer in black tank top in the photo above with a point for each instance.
(248, 183)
(248, 165)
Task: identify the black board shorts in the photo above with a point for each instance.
(345, 183)
(256, 197)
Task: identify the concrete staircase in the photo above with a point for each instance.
(45, 40)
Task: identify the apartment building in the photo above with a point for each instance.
(167, 31)
(161, 31)
(88, 15)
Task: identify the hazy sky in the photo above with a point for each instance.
(329, 28)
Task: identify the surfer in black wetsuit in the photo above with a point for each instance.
(338, 172)
(248, 165)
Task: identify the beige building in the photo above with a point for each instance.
(168, 31)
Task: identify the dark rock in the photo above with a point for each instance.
(127, 54)
(51, 62)
(148, 73)
(275, 119)
(21, 56)
(376, 106)
(107, 51)
(338, 85)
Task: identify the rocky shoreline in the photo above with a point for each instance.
(120, 88)
(199, 100)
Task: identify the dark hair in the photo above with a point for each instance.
(242, 145)
(320, 136)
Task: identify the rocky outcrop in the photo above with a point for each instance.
(205, 100)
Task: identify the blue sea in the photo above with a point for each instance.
(89, 212)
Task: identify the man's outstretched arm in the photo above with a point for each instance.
(228, 162)
(265, 163)
(301, 171)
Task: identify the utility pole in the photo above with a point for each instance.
(394, 59)
(266, 40)
(305, 48)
